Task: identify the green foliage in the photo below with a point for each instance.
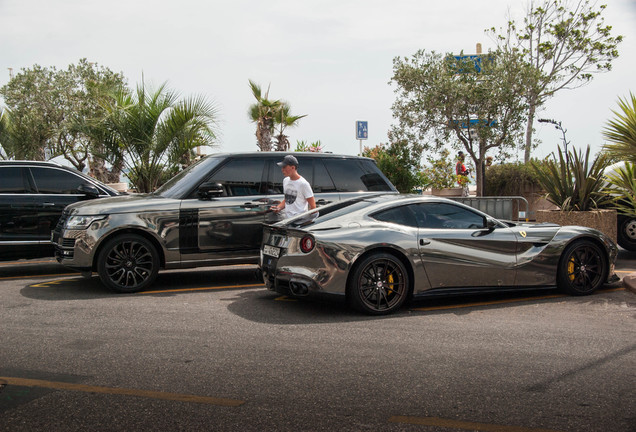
(302, 146)
(270, 117)
(435, 104)
(399, 162)
(564, 43)
(621, 131)
(624, 181)
(440, 172)
(51, 112)
(154, 132)
(510, 179)
(575, 183)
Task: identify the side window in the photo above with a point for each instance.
(373, 178)
(352, 175)
(241, 177)
(56, 181)
(448, 216)
(275, 177)
(322, 182)
(402, 215)
(13, 180)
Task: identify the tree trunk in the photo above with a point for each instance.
(528, 147)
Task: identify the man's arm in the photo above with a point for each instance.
(312, 203)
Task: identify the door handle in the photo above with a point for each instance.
(248, 205)
(322, 201)
(424, 242)
(48, 204)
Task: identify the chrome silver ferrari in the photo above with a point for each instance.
(381, 250)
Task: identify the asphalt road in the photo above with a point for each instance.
(211, 349)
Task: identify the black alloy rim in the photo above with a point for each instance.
(382, 284)
(129, 264)
(584, 268)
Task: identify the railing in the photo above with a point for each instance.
(500, 207)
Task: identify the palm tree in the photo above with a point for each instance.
(263, 113)
(284, 119)
(621, 131)
(153, 132)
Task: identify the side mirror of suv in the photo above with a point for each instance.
(208, 190)
(89, 190)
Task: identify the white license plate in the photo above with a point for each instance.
(271, 251)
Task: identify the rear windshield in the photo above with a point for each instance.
(327, 213)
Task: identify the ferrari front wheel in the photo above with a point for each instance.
(582, 269)
(379, 284)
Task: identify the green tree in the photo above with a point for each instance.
(154, 133)
(441, 100)
(621, 131)
(35, 106)
(566, 42)
(50, 111)
(399, 162)
(283, 119)
(263, 113)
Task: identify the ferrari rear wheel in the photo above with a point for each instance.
(379, 285)
(582, 269)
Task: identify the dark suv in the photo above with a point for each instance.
(32, 198)
(210, 214)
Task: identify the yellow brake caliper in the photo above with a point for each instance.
(571, 269)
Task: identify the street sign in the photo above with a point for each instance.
(362, 130)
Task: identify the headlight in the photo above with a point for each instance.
(82, 222)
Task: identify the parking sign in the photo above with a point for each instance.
(362, 130)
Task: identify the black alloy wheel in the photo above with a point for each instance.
(583, 268)
(379, 285)
(128, 263)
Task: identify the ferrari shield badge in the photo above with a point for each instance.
(523, 234)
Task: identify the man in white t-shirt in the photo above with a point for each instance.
(298, 194)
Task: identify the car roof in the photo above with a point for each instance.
(279, 154)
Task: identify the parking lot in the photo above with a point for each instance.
(211, 349)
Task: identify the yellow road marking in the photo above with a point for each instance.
(35, 276)
(180, 397)
(466, 425)
(285, 298)
(624, 271)
(202, 288)
(494, 302)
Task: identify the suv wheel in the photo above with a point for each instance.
(128, 263)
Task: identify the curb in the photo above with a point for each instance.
(629, 282)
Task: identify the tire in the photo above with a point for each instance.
(128, 263)
(379, 284)
(582, 268)
(626, 231)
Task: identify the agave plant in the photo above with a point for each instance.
(621, 132)
(575, 183)
(623, 180)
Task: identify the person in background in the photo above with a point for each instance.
(461, 170)
(298, 194)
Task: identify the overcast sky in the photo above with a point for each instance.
(330, 59)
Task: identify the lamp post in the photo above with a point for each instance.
(557, 125)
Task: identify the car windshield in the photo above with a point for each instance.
(181, 184)
(327, 213)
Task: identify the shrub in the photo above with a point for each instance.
(510, 179)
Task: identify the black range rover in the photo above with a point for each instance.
(32, 197)
(209, 214)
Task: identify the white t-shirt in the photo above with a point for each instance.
(296, 194)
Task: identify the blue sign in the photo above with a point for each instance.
(465, 60)
(362, 130)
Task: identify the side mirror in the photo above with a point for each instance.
(209, 190)
(88, 190)
(491, 224)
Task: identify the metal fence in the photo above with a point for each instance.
(500, 207)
